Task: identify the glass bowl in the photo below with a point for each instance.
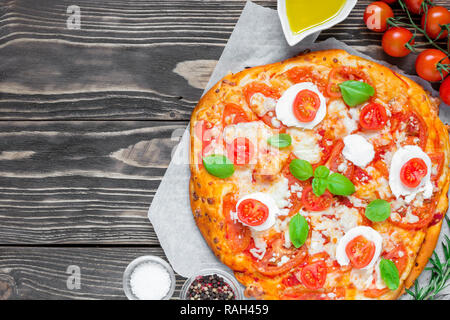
(229, 279)
(142, 260)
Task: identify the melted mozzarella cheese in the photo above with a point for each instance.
(271, 205)
(262, 104)
(257, 132)
(358, 150)
(341, 120)
(284, 107)
(369, 233)
(305, 145)
(400, 157)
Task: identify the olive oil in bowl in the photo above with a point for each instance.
(306, 14)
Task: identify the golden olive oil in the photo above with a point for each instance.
(306, 14)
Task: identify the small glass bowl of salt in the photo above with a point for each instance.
(149, 278)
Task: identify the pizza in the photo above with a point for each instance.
(324, 176)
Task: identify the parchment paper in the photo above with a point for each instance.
(256, 40)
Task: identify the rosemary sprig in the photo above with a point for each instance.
(440, 274)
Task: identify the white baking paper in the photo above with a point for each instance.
(256, 40)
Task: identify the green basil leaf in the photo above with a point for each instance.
(321, 172)
(301, 169)
(218, 165)
(378, 210)
(389, 274)
(298, 230)
(356, 92)
(319, 185)
(340, 185)
(281, 140)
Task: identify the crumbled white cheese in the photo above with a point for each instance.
(305, 145)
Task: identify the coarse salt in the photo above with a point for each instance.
(150, 281)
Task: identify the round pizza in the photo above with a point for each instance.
(324, 176)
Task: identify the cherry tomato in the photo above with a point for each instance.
(313, 276)
(373, 116)
(435, 17)
(412, 172)
(444, 91)
(311, 202)
(259, 87)
(341, 74)
(305, 105)
(241, 151)
(394, 41)
(414, 6)
(252, 212)
(238, 236)
(360, 251)
(426, 64)
(271, 267)
(399, 256)
(376, 15)
(233, 114)
(390, 1)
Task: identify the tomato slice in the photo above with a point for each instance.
(360, 176)
(425, 213)
(412, 172)
(375, 293)
(416, 127)
(241, 151)
(373, 116)
(313, 276)
(233, 114)
(342, 74)
(259, 87)
(360, 251)
(290, 281)
(399, 256)
(311, 202)
(437, 158)
(306, 74)
(252, 212)
(271, 267)
(238, 236)
(336, 159)
(305, 105)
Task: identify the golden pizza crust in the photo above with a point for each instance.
(207, 191)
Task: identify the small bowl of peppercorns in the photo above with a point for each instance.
(211, 284)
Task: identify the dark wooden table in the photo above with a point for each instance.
(88, 121)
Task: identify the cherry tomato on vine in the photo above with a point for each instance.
(426, 64)
(444, 91)
(394, 41)
(435, 17)
(376, 15)
(414, 6)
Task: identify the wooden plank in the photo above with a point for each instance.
(81, 182)
(41, 273)
(130, 60)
